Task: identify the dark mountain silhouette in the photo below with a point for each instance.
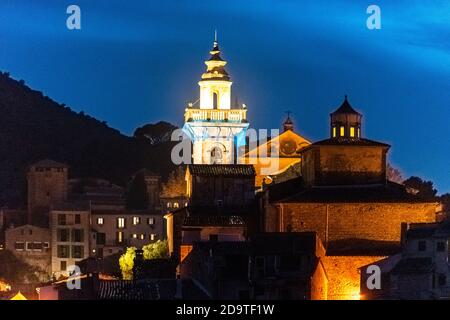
(155, 133)
(34, 127)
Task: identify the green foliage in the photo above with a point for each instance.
(126, 263)
(157, 250)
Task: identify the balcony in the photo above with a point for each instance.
(231, 115)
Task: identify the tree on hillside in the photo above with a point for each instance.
(155, 133)
(394, 174)
(422, 188)
(176, 184)
(445, 200)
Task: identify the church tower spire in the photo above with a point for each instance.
(217, 130)
(215, 85)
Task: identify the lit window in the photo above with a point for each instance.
(185, 204)
(334, 132)
(359, 132)
(169, 205)
(352, 132)
(100, 221)
(152, 236)
(151, 221)
(120, 237)
(142, 236)
(341, 131)
(121, 223)
(175, 204)
(136, 220)
(134, 236)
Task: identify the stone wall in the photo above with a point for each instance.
(340, 221)
(344, 275)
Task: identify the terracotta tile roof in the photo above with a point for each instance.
(222, 170)
(346, 108)
(347, 141)
(391, 192)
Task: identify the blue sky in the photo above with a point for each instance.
(137, 62)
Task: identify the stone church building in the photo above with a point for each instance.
(343, 195)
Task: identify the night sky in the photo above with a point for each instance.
(138, 62)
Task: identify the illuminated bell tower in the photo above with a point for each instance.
(217, 129)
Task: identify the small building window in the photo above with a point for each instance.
(62, 219)
(359, 133)
(19, 246)
(77, 219)
(422, 245)
(152, 237)
(440, 246)
(352, 132)
(175, 205)
(77, 252)
(119, 237)
(121, 223)
(62, 251)
(334, 132)
(151, 221)
(142, 236)
(341, 131)
(100, 221)
(169, 205)
(62, 235)
(63, 265)
(134, 235)
(77, 235)
(136, 220)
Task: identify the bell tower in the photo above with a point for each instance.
(216, 128)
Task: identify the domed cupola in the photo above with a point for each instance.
(345, 122)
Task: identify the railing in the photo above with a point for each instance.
(232, 115)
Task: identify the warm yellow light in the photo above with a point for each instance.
(19, 296)
(352, 132)
(334, 132)
(342, 131)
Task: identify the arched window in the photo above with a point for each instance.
(215, 100)
(216, 155)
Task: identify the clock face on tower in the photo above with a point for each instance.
(288, 147)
